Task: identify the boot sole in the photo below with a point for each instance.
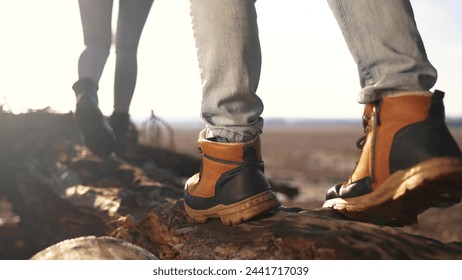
(407, 193)
(237, 212)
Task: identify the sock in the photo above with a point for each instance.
(220, 139)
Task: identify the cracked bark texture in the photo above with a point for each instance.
(59, 191)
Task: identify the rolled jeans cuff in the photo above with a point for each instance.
(236, 133)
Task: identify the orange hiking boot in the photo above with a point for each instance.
(231, 184)
(409, 163)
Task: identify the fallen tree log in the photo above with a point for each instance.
(62, 192)
(94, 248)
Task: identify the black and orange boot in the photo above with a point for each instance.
(231, 184)
(97, 133)
(409, 163)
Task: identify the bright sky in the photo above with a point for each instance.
(307, 69)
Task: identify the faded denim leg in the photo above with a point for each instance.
(384, 41)
(229, 56)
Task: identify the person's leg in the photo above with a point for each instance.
(229, 55)
(409, 160)
(130, 23)
(231, 184)
(383, 39)
(96, 24)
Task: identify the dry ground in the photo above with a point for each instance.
(309, 158)
(315, 157)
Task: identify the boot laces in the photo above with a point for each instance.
(367, 127)
(362, 140)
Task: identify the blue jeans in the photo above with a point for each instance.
(96, 18)
(381, 34)
(384, 41)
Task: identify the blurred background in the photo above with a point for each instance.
(305, 59)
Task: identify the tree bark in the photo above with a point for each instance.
(61, 192)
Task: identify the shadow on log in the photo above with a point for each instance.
(60, 192)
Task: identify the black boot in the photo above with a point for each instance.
(97, 133)
(124, 130)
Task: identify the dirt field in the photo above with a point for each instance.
(313, 158)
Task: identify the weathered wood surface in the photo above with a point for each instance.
(94, 248)
(61, 192)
